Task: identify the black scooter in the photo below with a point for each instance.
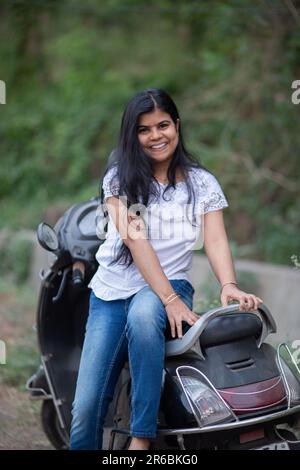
(223, 386)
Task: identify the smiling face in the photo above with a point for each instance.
(158, 135)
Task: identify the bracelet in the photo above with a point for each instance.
(176, 297)
(226, 283)
(171, 295)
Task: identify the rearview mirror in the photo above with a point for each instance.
(47, 237)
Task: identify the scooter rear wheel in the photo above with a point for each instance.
(51, 426)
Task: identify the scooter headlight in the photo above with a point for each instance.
(207, 405)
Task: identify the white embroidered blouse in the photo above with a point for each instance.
(170, 232)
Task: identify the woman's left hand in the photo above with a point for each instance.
(247, 301)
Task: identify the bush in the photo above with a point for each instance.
(16, 254)
(22, 361)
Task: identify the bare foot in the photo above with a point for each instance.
(139, 443)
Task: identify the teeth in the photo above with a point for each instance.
(158, 146)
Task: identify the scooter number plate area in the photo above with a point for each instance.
(274, 446)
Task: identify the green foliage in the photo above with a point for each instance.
(22, 362)
(296, 260)
(18, 304)
(293, 362)
(71, 66)
(15, 254)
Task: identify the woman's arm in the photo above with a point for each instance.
(134, 235)
(219, 255)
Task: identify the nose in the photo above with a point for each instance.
(155, 134)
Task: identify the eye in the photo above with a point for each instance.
(142, 130)
(163, 125)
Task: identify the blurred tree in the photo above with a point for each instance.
(71, 66)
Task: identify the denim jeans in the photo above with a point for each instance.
(119, 330)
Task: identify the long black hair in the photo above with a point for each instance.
(134, 168)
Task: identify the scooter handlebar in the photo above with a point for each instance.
(78, 273)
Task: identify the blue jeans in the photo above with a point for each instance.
(116, 331)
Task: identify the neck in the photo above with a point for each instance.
(161, 175)
(160, 171)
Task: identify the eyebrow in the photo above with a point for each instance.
(161, 122)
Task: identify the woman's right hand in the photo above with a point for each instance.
(178, 312)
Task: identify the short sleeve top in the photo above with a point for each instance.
(170, 231)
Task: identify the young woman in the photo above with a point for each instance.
(142, 285)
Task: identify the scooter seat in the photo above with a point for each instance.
(227, 328)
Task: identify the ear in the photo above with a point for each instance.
(177, 125)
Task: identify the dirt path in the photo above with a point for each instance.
(20, 426)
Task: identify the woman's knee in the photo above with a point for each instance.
(146, 313)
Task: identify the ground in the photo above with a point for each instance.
(20, 426)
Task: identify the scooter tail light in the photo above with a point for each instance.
(255, 396)
(207, 406)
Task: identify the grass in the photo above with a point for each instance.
(17, 316)
(22, 361)
(20, 417)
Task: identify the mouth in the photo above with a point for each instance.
(158, 147)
